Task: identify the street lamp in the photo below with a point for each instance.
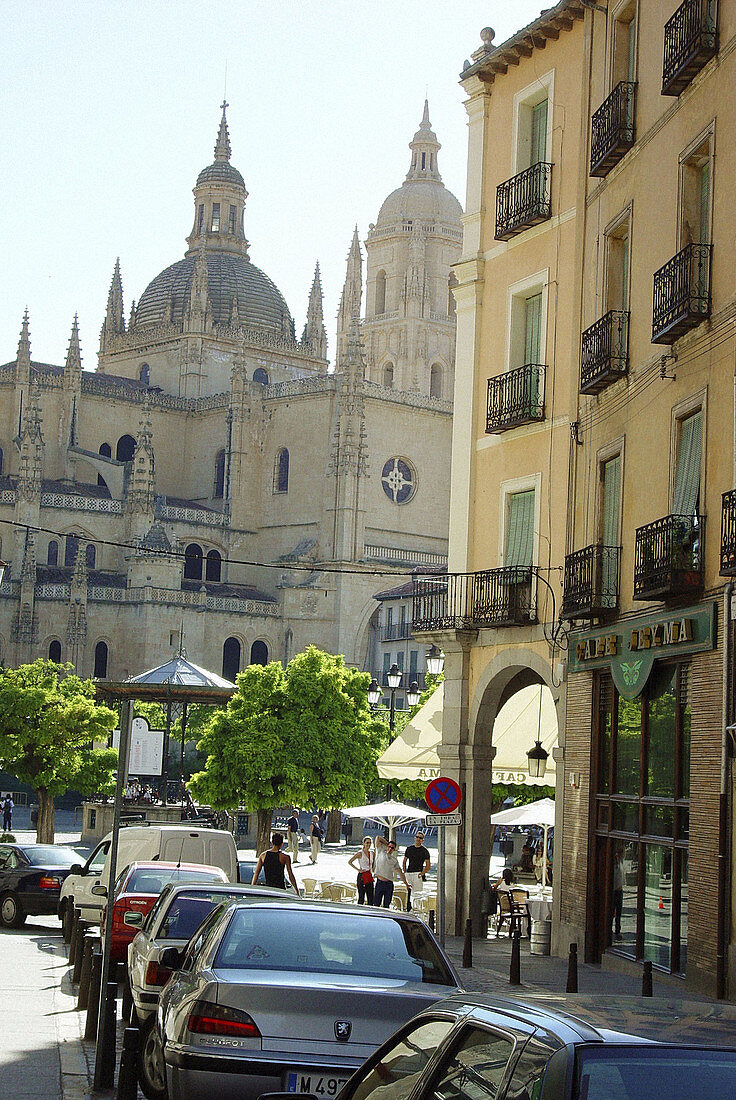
(538, 757)
(393, 679)
(435, 660)
(412, 694)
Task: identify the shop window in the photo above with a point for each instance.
(213, 567)
(261, 376)
(52, 554)
(696, 182)
(281, 472)
(101, 657)
(259, 653)
(435, 381)
(193, 559)
(231, 659)
(125, 448)
(380, 292)
(55, 651)
(219, 475)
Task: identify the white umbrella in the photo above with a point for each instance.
(541, 812)
(390, 814)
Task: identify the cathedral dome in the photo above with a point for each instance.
(260, 302)
(426, 199)
(221, 171)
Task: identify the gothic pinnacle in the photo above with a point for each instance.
(24, 343)
(74, 355)
(222, 145)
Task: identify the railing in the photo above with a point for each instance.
(73, 502)
(106, 594)
(393, 553)
(681, 293)
(396, 632)
(669, 557)
(605, 351)
(523, 201)
(7, 496)
(464, 601)
(728, 534)
(591, 582)
(176, 513)
(515, 398)
(613, 130)
(690, 40)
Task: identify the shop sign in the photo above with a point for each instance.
(631, 649)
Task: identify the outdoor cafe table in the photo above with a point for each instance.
(539, 905)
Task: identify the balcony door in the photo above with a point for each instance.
(538, 152)
(686, 494)
(610, 511)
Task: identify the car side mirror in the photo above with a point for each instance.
(171, 959)
(76, 869)
(99, 891)
(134, 919)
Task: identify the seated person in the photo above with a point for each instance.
(505, 882)
(526, 863)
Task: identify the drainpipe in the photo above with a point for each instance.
(723, 832)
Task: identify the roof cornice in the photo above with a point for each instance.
(489, 61)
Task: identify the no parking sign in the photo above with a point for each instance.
(443, 795)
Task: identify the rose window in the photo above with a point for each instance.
(399, 480)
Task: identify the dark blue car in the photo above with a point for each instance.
(30, 880)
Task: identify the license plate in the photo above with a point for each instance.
(318, 1083)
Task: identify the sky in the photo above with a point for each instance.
(110, 110)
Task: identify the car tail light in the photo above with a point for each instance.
(48, 882)
(212, 1019)
(157, 974)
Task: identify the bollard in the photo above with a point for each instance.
(93, 996)
(468, 945)
(128, 1071)
(84, 973)
(105, 1071)
(646, 980)
(572, 970)
(82, 926)
(127, 1005)
(515, 968)
(73, 938)
(432, 920)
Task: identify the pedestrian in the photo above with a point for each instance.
(362, 861)
(315, 838)
(276, 864)
(293, 835)
(618, 892)
(386, 865)
(416, 864)
(8, 805)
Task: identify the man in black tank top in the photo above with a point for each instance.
(276, 864)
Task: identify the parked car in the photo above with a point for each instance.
(495, 1048)
(138, 887)
(292, 996)
(213, 847)
(31, 876)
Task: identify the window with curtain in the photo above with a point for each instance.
(686, 494)
(519, 529)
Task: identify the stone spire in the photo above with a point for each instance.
(23, 357)
(223, 150)
(114, 323)
(30, 447)
(347, 467)
(73, 365)
(198, 312)
(424, 149)
(76, 620)
(352, 295)
(26, 625)
(315, 333)
(141, 487)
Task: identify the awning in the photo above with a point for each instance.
(413, 754)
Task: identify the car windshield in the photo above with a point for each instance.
(149, 880)
(323, 942)
(627, 1073)
(45, 855)
(186, 913)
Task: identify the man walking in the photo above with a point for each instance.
(8, 805)
(293, 833)
(416, 865)
(315, 838)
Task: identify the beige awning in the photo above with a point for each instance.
(413, 754)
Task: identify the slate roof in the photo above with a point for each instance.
(36, 368)
(96, 578)
(76, 489)
(238, 591)
(221, 171)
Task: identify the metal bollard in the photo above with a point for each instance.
(84, 974)
(515, 968)
(93, 997)
(128, 1071)
(127, 1002)
(468, 945)
(82, 926)
(105, 1066)
(432, 920)
(73, 938)
(572, 970)
(646, 980)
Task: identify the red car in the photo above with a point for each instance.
(136, 890)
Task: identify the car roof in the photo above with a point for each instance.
(344, 910)
(266, 892)
(170, 865)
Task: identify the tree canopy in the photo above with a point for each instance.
(49, 721)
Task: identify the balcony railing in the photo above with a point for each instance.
(690, 40)
(524, 200)
(591, 583)
(395, 632)
(605, 351)
(681, 293)
(728, 534)
(515, 398)
(613, 128)
(464, 601)
(669, 558)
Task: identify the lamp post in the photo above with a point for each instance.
(393, 679)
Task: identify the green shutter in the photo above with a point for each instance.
(687, 473)
(611, 501)
(625, 272)
(533, 328)
(704, 204)
(520, 529)
(631, 52)
(539, 132)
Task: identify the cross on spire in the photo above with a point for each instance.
(222, 145)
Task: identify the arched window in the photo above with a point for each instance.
(260, 375)
(219, 475)
(231, 659)
(381, 292)
(193, 562)
(259, 653)
(435, 381)
(125, 448)
(55, 651)
(213, 567)
(52, 554)
(71, 547)
(281, 472)
(106, 452)
(90, 555)
(388, 376)
(100, 661)
(144, 374)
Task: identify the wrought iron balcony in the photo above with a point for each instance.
(395, 632)
(605, 351)
(728, 534)
(465, 601)
(681, 293)
(613, 128)
(524, 200)
(515, 398)
(690, 40)
(669, 558)
(591, 583)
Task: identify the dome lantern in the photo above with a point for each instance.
(424, 149)
(219, 201)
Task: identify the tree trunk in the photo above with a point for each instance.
(264, 831)
(334, 821)
(45, 824)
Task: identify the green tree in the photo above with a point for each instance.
(48, 723)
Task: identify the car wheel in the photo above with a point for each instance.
(151, 1067)
(11, 914)
(67, 919)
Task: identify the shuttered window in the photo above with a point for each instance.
(704, 203)
(533, 328)
(611, 489)
(687, 474)
(539, 132)
(520, 529)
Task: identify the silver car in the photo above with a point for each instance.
(291, 997)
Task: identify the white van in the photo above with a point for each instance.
(174, 843)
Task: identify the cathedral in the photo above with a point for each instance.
(215, 484)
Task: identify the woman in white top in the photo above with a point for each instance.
(362, 861)
(385, 865)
